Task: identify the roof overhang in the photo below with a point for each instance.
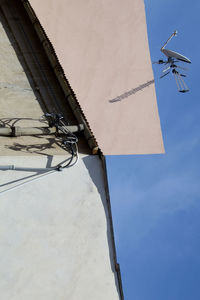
(103, 49)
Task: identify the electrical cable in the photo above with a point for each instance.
(69, 140)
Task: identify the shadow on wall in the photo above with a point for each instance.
(131, 92)
(20, 57)
(5, 187)
(32, 57)
(20, 181)
(10, 122)
(50, 169)
(98, 177)
(33, 148)
(42, 148)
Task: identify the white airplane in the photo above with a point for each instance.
(174, 57)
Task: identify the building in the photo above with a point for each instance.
(57, 238)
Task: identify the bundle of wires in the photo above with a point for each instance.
(69, 140)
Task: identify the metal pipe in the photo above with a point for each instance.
(13, 167)
(171, 36)
(19, 131)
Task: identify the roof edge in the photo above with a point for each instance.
(60, 74)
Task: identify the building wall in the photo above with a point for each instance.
(56, 237)
(55, 232)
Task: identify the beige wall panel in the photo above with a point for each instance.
(103, 48)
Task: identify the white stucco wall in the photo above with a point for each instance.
(54, 235)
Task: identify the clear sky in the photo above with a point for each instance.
(156, 198)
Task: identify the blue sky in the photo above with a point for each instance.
(156, 198)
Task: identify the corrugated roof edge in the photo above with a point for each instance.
(60, 74)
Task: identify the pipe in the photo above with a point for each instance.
(19, 131)
(13, 167)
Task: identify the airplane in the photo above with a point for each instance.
(173, 58)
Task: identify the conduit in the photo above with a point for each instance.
(13, 167)
(22, 131)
